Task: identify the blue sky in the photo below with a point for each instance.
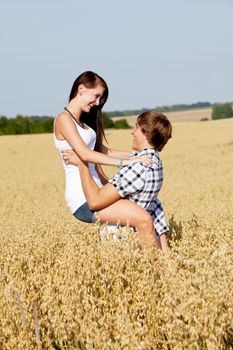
(149, 52)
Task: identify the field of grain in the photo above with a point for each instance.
(180, 116)
(63, 288)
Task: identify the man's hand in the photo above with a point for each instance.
(70, 157)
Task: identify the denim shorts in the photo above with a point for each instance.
(85, 214)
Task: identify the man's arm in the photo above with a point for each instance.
(128, 180)
(97, 198)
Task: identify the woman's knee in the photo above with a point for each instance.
(145, 222)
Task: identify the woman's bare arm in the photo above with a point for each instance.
(65, 126)
(115, 153)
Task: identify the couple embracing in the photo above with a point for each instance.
(130, 196)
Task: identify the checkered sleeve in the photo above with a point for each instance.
(159, 219)
(129, 179)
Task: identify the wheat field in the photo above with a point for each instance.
(63, 288)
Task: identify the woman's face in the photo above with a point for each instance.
(90, 97)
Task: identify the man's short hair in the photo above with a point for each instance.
(156, 127)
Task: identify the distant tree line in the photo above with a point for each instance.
(44, 124)
(39, 125)
(172, 108)
(118, 124)
(222, 111)
(25, 125)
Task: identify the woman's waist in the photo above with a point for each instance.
(72, 172)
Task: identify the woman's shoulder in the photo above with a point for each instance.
(63, 119)
(61, 116)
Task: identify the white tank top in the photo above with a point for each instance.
(74, 193)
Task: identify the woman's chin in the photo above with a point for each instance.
(87, 109)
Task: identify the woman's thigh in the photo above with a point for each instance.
(124, 212)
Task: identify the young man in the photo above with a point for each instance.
(138, 182)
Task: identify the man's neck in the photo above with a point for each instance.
(144, 146)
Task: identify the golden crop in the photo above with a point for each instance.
(63, 288)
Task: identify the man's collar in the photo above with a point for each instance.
(143, 152)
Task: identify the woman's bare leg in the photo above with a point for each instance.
(163, 242)
(125, 212)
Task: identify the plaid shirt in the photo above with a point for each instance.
(141, 184)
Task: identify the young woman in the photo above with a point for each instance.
(80, 127)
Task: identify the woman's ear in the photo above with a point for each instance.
(81, 88)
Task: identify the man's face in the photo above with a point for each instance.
(139, 140)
